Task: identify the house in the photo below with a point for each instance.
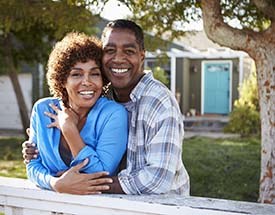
(203, 76)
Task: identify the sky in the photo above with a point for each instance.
(115, 10)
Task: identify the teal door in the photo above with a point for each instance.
(216, 88)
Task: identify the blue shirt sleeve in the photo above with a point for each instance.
(36, 172)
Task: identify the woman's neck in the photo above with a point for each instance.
(81, 113)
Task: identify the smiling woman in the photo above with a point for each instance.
(84, 86)
(78, 123)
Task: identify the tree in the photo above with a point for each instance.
(27, 31)
(255, 35)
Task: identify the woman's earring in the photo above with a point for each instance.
(106, 89)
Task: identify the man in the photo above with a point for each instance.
(154, 164)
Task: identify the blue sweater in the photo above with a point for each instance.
(104, 133)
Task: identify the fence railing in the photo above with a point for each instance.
(20, 197)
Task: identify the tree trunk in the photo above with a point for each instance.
(266, 83)
(261, 47)
(15, 83)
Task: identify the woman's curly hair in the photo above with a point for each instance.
(73, 48)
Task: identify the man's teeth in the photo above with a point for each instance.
(86, 92)
(119, 70)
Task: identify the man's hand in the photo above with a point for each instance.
(74, 182)
(29, 151)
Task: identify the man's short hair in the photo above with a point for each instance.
(126, 24)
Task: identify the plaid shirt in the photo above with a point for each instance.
(154, 163)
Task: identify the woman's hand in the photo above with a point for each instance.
(63, 118)
(74, 182)
(67, 120)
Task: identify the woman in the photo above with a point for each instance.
(78, 122)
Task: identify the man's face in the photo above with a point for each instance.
(122, 60)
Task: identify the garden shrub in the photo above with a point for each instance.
(244, 121)
(245, 117)
(159, 74)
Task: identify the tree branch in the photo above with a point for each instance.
(222, 33)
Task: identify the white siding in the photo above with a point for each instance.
(9, 112)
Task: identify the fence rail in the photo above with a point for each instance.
(20, 197)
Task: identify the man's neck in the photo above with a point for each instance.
(121, 97)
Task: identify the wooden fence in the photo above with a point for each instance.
(20, 197)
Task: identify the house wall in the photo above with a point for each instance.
(179, 82)
(186, 82)
(9, 112)
(195, 87)
(235, 81)
(183, 83)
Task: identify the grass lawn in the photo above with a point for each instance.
(223, 168)
(218, 168)
(11, 161)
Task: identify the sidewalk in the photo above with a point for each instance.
(215, 135)
(8, 133)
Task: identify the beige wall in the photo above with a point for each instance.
(9, 112)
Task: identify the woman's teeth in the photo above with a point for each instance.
(87, 92)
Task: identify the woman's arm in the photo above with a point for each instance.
(111, 140)
(36, 172)
(67, 121)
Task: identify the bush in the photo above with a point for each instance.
(245, 118)
(244, 121)
(160, 75)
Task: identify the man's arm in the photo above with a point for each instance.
(115, 186)
(159, 167)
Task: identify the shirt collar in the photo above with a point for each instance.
(139, 89)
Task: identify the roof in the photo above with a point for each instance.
(198, 40)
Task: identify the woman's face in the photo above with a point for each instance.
(84, 85)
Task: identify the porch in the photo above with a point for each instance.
(20, 197)
(205, 123)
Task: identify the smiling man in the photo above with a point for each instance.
(123, 60)
(154, 152)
